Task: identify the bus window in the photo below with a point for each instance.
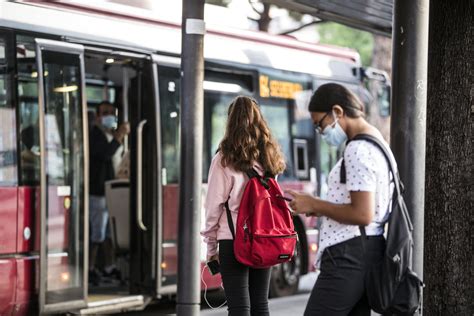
(278, 119)
(328, 160)
(220, 88)
(170, 121)
(28, 111)
(8, 165)
(383, 100)
(215, 111)
(96, 93)
(300, 152)
(63, 114)
(219, 106)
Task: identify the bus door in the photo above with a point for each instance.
(64, 176)
(145, 182)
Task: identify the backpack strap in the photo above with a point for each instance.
(252, 173)
(342, 174)
(375, 141)
(399, 188)
(230, 222)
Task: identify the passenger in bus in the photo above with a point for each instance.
(30, 155)
(247, 143)
(361, 200)
(105, 144)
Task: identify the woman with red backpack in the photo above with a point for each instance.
(247, 144)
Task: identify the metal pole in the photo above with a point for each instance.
(192, 98)
(125, 80)
(408, 121)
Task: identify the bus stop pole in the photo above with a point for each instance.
(408, 119)
(192, 98)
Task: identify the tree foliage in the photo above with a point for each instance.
(341, 35)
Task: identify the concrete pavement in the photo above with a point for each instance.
(284, 306)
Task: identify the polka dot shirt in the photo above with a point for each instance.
(366, 170)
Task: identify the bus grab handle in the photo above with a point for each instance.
(139, 175)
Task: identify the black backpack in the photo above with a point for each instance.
(392, 287)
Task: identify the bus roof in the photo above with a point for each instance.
(138, 29)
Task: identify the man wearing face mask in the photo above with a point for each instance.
(363, 199)
(105, 145)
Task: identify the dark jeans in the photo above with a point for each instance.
(340, 288)
(246, 289)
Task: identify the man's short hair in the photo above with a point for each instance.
(97, 110)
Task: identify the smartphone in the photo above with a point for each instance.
(284, 198)
(213, 267)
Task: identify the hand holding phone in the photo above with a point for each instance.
(284, 198)
(213, 266)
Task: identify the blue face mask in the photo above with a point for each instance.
(109, 122)
(333, 134)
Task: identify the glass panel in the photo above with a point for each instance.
(28, 111)
(2, 51)
(215, 120)
(65, 182)
(8, 161)
(277, 117)
(170, 121)
(328, 156)
(301, 152)
(97, 94)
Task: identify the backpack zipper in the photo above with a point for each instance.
(246, 231)
(295, 235)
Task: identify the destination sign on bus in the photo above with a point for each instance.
(278, 88)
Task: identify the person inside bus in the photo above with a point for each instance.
(30, 154)
(247, 143)
(363, 200)
(105, 145)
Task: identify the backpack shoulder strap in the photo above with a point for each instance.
(375, 141)
(396, 177)
(252, 173)
(229, 219)
(381, 146)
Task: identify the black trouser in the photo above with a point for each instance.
(246, 289)
(340, 288)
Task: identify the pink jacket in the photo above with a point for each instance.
(223, 184)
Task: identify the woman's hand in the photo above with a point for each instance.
(302, 202)
(213, 257)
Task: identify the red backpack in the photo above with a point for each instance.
(265, 234)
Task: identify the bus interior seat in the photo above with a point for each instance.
(117, 194)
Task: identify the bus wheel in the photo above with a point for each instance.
(285, 277)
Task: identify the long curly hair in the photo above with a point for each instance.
(248, 139)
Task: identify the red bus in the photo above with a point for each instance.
(58, 61)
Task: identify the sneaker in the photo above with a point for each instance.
(113, 273)
(94, 277)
